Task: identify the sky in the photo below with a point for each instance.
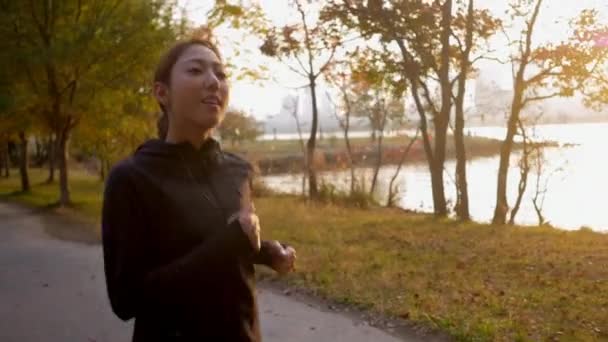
(262, 99)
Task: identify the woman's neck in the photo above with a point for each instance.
(193, 136)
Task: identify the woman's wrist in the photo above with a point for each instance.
(233, 217)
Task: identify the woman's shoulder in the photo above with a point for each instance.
(235, 160)
(120, 173)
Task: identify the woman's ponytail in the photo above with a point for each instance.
(162, 125)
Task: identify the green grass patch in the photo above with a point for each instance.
(476, 282)
(86, 191)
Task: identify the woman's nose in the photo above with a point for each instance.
(211, 81)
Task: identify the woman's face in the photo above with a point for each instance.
(198, 91)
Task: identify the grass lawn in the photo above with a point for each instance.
(476, 282)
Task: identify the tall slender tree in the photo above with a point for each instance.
(312, 46)
(471, 29)
(305, 45)
(542, 72)
(419, 45)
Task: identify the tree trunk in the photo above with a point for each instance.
(539, 213)
(102, 169)
(4, 160)
(519, 87)
(302, 148)
(7, 166)
(52, 148)
(62, 158)
(38, 155)
(439, 202)
(412, 71)
(524, 170)
(539, 194)
(105, 166)
(502, 206)
(345, 125)
(108, 167)
(378, 163)
(379, 150)
(521, 190)
(390, 200)
(312, 175)
(538, 204)
(462, 206)
(351, 160)
(441, 121)
(23, 162)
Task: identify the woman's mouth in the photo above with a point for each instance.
(212, 101)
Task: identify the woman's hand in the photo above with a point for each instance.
(283, 259)
(250, 223)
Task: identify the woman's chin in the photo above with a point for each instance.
(207, 123)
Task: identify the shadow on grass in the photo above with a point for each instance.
(64, 223)
(13, 194)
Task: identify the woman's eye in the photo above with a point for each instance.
(195, 71)
(220, 74)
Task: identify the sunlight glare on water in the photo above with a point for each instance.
(576, 179)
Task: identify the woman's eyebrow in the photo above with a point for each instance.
(204, 62)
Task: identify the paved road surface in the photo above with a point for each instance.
(54, 291)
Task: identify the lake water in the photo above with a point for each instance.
(576, 178)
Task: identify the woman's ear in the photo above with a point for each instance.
(161, 93)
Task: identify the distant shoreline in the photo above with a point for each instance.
(358, 133)
(285, 156)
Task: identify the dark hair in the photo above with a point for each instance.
(163, 74)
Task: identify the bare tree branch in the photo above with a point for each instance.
(306, 37)
(460, 44)
(335, 106)
(540, 98)
(531, 25)
(322, 69)
(454, 80)
(542, 74)
(427, 95)
(306, 72)
(488, 58)
(510, 43)
(391, 195)
(351, 39)
(524, 170)
(292, 68)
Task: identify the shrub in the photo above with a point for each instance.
(328, 193)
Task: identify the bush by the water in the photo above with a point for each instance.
(329, 193)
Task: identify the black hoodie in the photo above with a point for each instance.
(171, 260)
